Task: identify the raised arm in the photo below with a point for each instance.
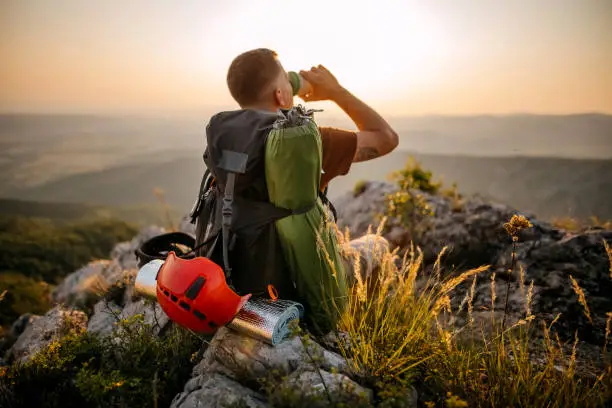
(375, 137)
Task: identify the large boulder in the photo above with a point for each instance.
(106, 314)
(235, 367)
(88, 283)
(473, 233)
(46, 329)
(84, 287)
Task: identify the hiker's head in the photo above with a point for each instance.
(256, 79)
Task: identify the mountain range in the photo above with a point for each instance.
(552, 166)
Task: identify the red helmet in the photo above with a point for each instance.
(194, 294)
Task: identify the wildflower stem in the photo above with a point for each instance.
(512, 265)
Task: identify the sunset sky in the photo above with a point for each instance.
(404, 57)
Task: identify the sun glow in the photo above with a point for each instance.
(377, 49)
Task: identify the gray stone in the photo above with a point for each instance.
(46, 329)
(322, 389)
(214, 390)
(21, 324)
(124, 252)
(87, 283)
(241, 365)
(152, 312)
(251, 358)
(104, 317)
(474, 235)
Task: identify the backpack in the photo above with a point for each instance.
(235, 221)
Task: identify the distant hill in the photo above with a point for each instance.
(76, 211)
(126, 185)
(547, 187)
(552, 165)
(578, 136)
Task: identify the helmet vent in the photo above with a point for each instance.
(199, 315)
(195, 288)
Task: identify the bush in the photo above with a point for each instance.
(41, 249)
(22, 295)
(135, 369)
(407, 205)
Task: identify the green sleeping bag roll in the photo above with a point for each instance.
(293, 171)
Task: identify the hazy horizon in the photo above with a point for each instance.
(405, 58)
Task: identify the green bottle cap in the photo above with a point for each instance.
(296, 81)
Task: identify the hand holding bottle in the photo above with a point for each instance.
(317, 84)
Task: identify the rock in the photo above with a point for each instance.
(255, 359)
(46, 329)
(21, 324)
(9, 338)
(240, 365)
(88, 283)
(152, 312)
(217, 391)
(123, 252)
(583, 257)
(103, 318)
(323, 389)
(474, 235)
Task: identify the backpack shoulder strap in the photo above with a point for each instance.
(325, 201)
(205, 184)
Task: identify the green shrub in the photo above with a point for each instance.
(407, 204)
(23, 295)
(359, 187)
(137, 369)
(42, 249)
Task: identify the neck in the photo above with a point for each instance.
(262, 106)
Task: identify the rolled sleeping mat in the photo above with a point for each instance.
(293, 173)
(267, 320)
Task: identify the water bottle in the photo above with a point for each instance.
(299, 84)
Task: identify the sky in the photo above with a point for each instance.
(402, 57)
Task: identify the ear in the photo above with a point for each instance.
(283, 98)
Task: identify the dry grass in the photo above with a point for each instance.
(402, 330)
(161, 197)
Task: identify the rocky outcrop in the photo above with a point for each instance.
(473, 233)
(87, 291)
(92, 280)
(85, 286)
(299, 368)
(42, 331)
(239, 370)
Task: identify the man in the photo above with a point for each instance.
(259, 84)
(257, 80)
